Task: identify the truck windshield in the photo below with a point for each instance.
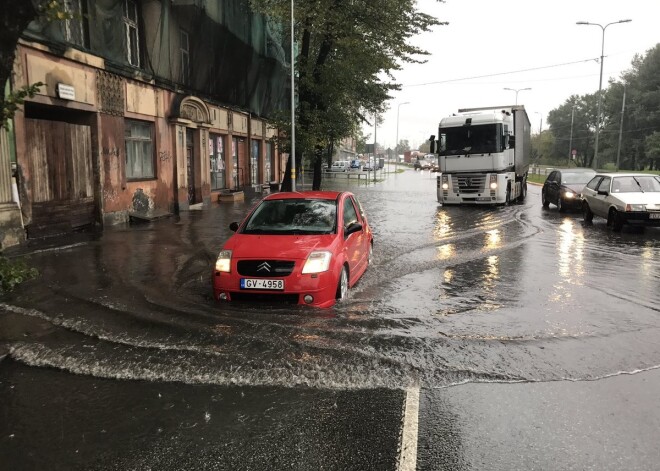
(475, 139)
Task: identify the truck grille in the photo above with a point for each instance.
(469, 183)
(265, 268)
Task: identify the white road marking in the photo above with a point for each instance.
(408, 455)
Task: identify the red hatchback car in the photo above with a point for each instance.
(297, 247)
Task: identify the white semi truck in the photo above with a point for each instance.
(483, 155)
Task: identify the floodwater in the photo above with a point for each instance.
(455, 294)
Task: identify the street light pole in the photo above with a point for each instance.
(600, 81)
(396, 144)
(517, 90)
(293, 108)
(570, 140)
(373, 167)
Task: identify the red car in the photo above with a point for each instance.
(297, 247)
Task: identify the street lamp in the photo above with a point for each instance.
(293, 109)
(396, 143)
(517, 90)
(600, 82)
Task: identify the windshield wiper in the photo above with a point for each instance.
(639, 185)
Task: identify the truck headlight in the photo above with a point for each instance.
(635, 207)
(223, 262)
(317, 262)
(445, 182)
(493, 182)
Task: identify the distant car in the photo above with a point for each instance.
(295, 247)
(368, 166)
(563, 187)
(340, 166)
(422, 164)
(356, 164)
(623, 198)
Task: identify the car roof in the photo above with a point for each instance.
(319, 195)
(631, 174)
(576, 170)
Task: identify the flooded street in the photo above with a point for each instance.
(120, 341)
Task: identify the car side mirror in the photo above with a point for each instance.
(352, 227)
(233, 226)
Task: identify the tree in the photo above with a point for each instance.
(347, 52)
(573, 124)
(15, 16)
(402, 146)
(652, 148)
(641, 116)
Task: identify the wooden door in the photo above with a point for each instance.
(59, 157)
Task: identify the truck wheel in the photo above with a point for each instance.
(523, 192)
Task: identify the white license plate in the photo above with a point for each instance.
(254, 283)
(654, 216)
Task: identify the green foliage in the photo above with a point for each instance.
(347, 52)
(54, 10)
(14, 273)
(15, 99)
(631, 110)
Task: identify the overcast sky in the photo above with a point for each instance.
(488, 44)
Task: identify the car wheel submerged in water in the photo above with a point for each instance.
(586, 212)
(342, 286)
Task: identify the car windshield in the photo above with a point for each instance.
(293, 216)
(644, 184)
(570, 178)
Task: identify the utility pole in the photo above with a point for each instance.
(623, 108)
(375, 128)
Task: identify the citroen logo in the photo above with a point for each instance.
(264, 267)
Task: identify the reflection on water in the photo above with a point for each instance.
(493, 239)
(443, 225)
(570, 248)
(446, 251)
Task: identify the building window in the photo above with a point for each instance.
(217, 154)
(74, 31)
(132, 36)
(234, 158)
(254, 162)
(139, 150)
(269, 171)
(185, 57)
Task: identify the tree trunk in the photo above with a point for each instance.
(15, 16)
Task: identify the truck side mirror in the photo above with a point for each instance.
(512, 142)
(432, 141)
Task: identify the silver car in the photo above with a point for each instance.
(623, 198)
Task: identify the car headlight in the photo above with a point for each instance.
(569, 195)
(223, 263)
(317, 262)
(635, 207)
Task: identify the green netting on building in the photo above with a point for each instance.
(216, 49)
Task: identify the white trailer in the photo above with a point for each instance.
(483, 155)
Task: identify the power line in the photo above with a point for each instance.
(500, 73)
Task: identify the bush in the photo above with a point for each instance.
(14, 273)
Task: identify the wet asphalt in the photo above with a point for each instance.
(530, 338)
